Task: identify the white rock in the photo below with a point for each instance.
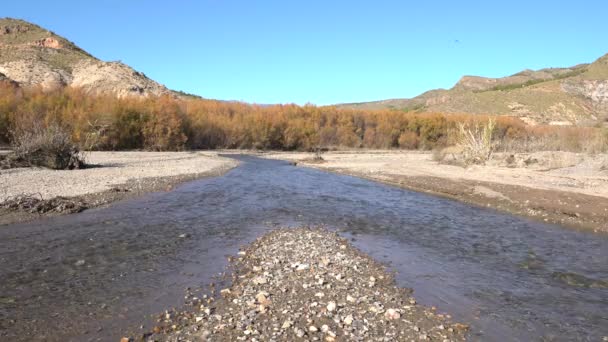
(302, 267)
(392, 314)
(331, 306)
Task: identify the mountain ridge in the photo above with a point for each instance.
(33, 56)
(575, 95)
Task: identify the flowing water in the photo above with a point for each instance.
(89, 276)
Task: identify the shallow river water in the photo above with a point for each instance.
(90, 276)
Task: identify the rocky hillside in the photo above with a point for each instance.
(33, 56)
(559, 96)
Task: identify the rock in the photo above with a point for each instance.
(262, 298)
(80, 262)
(260, 280)
(300, 333)
(126, 339)
(392, 314)
(302, 267)
(287, 324)
(324, 328)
(312, 328)
(183, 236)
(331, 306)
(225, 292)
(348, 320)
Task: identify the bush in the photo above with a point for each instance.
(408, 140)
(476, 141)
(50, 147)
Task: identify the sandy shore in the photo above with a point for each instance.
(306, 284)
(115, 176)
(565, 188)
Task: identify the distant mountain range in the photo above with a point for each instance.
(560, 96)
(33, 56)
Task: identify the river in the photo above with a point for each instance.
(91, 276)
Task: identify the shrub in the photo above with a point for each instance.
(408, 140)
(476, 141)
(50, 147)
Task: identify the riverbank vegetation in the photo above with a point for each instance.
(168, 123)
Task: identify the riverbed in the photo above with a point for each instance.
(93, 275)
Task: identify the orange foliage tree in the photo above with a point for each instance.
(171, 123)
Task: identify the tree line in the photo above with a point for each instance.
(169, 123)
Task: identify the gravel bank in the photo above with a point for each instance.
(306, 284)
(114, 176)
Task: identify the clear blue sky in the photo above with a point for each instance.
(325, 52)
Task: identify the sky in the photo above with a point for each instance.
(325, 52)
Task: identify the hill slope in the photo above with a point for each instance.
(32, 56)
(575, 95)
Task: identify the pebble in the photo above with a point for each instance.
(80, 262)
(331, 306)
(302, 267)
(392, 314)
(262, 298)
(260, 280)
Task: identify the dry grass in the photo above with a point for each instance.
(47, 146)
(475, 142)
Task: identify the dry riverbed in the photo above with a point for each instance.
(305, 284)
(26, 193)
(558, 187)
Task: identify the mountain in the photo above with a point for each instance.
(33, 56)
(559, 96)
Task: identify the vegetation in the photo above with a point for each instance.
(506, 87)
(47, 146)
(168, 123)
(476, 141)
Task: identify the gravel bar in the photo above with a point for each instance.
(306, 284)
